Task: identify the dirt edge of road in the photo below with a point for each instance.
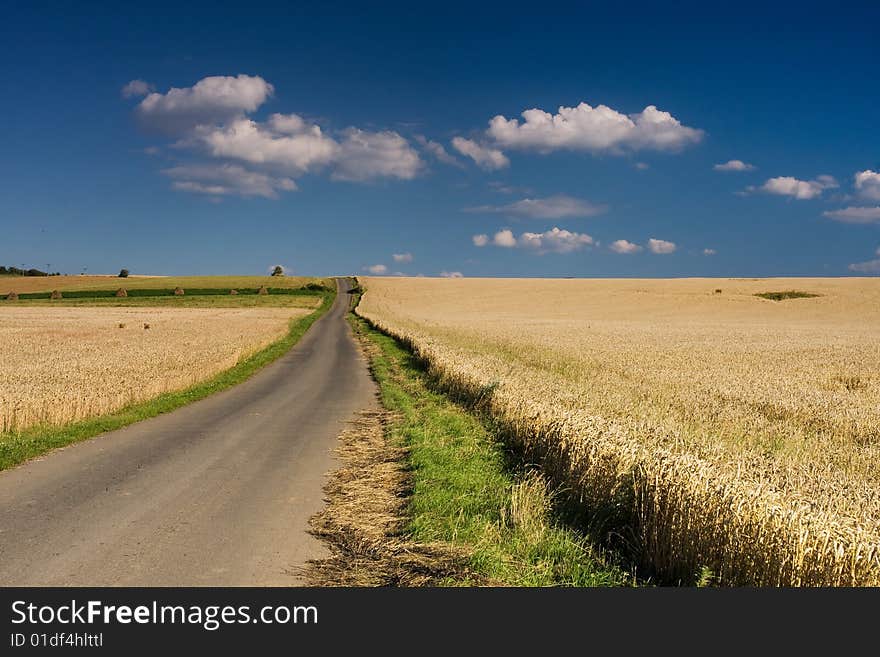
(364, 522)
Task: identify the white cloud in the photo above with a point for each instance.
(296, 146)
(451, 274)
(555, 240)
(504, 238)
(642, 166)
(596, 129)
(551, 207)
(625, 247)
(296, 151)
(484, 156)
(365, 155)
(868, 184)
(226, 180)
(855, 215)
(376, 270)
(661, 247)
(290, 124)
(136, 89)
(734, 165)
(438, 151)
(210, 117)
(798, 189)
(211, 100)
(869, 267)
(709, 252)
(480, 240)
(402, 257)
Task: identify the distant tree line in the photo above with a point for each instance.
(15, 271)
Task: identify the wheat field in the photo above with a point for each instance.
(65, 364)
(722, 430)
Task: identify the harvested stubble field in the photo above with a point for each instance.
(25, 284)
(714, 430)
(61, 365)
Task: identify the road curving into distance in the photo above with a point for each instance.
(217, 493)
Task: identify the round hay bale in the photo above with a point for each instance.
(263, 290)
(12, 296)
(178, 291)
(56, 294)
(233, 291)
(122, 292)
(146, 326)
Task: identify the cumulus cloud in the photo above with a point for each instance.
(594, 129)
(642, 166)
(226, 180)
(438, 151)
(551, 207)
(855, 215)
(868, 184)
(504, 238)
(211, 118)
(734, 165)
(211, 100)
(451, 274)
(402, 257)
(661, 247)
(869, 267)
(366, 155)
(297, 147)
(376, 270)
(709, 252)
(555, 240)
(136, 89)
(485, 157)
(798, 189)
(624, 247)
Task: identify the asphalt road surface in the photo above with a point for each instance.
(218, 492)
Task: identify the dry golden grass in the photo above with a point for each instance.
(725, 430)
(65, 364)
(25, 284)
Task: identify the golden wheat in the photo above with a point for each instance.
(729, 431)
(64, 364)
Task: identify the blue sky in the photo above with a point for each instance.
(311, 136)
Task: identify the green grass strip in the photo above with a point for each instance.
(466, 493)
(787, 294)
(17, 447)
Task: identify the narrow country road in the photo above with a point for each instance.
(216, 493)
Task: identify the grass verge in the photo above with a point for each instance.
(17, 447)
(466, 491)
